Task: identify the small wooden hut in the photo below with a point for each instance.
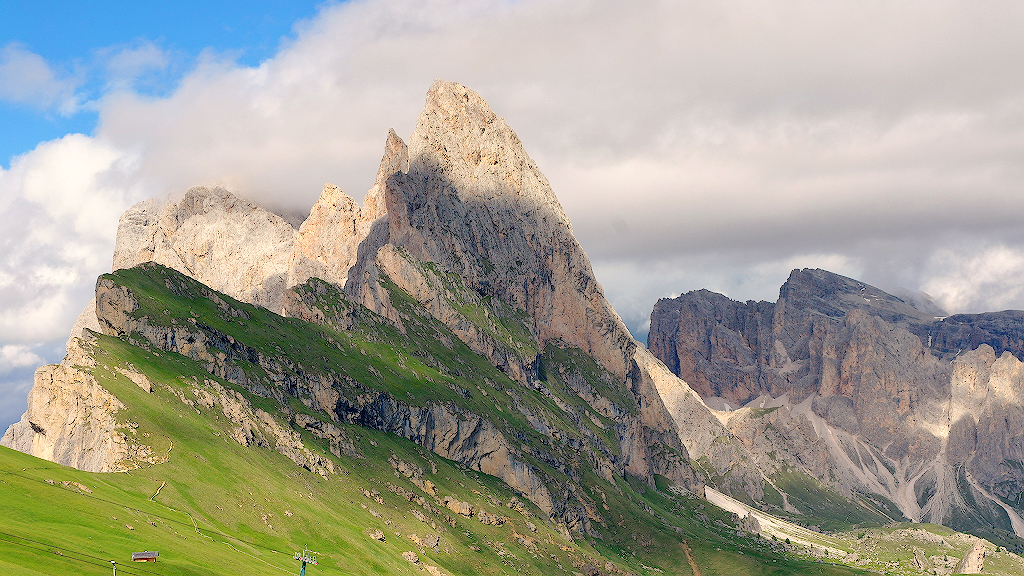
(144, 556)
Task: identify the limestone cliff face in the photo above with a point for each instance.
(247, 252)
(737, 351)
(827, 338)
(718, 346)
(227, 243)
(327, 241)
(986, 419)
(868, 395)
(71, 420)
(1002, 331)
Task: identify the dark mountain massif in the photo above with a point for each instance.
(868, 393)
(434, 381)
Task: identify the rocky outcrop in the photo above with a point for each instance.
(464, 311)
(718, 346)
(71, 419)
(255, 427)
(328, 242)
(738, 351)
(985, 423)
(1002, 331)
(247, 252)
(225, 242)
(974, 561)
(704, 438)
(462, 437)
(866, 393)
(852, 348)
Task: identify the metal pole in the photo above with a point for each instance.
(114, 566)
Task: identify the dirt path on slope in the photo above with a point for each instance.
(689, 558)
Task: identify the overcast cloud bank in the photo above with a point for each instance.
(692, 144)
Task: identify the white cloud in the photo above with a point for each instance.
(983, 278)
(63, 201)
(17, 356)
(124, 65)
(27, 78)
(688, 126)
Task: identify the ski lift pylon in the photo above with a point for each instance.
(306, 557)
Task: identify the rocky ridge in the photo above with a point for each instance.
(227, 243)
(863, 391)
(472, 203)
(463, 221)
(465, 198)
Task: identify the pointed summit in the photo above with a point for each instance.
(327, 245)
(473, 205)
(458, 132)
(473, 201)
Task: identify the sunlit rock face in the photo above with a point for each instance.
(72, 420)
(905, 404)
(473, 201)
(327, 245)
(224, 241)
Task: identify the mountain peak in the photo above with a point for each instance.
(458, 133)
(453, 100)
(822, 292)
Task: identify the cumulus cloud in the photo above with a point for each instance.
(63, 200)
(27, 78)
(17, 356)
(987, 278)
(693, 144)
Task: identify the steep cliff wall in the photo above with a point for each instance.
(873, 394)
(472, 203)
(72, 420)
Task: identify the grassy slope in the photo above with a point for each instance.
(225, 508)
(892, 549)
(827, 509)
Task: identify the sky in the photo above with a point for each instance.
(693, 144)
